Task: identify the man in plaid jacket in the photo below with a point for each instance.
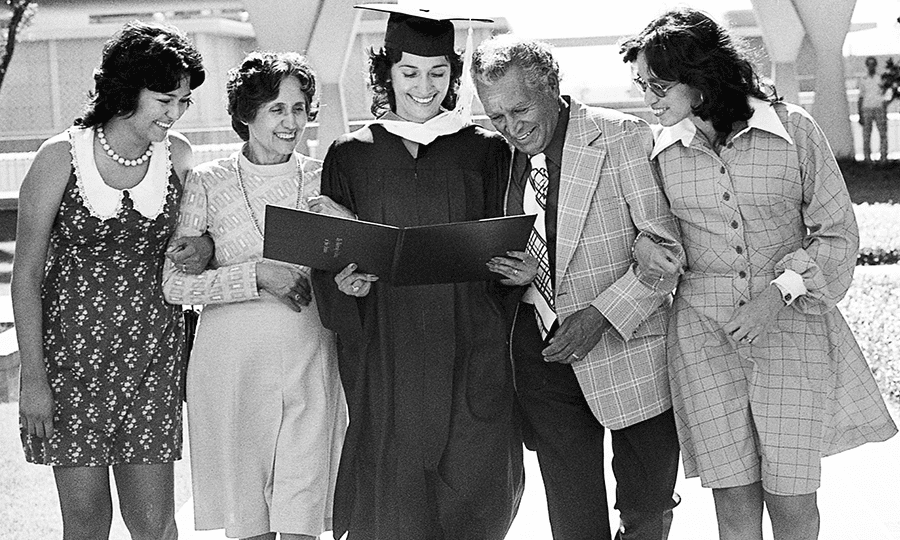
(602, 363)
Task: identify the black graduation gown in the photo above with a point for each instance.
(432, 450)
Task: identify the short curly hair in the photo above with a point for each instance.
(141, 55)
(380, 63)
(497, 55)
(258, 80)
(688, 46)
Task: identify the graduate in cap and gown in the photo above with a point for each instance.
(432, 450)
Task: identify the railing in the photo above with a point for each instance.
(13, 167)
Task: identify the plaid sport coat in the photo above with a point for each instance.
(608, 192)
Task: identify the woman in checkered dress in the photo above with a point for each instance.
(766, 375)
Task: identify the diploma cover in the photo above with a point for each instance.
(428, 254)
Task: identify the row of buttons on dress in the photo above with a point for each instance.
(734, 225)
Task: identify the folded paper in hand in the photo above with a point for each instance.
(428, 254)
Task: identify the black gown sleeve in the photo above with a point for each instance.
(496, 177)
(338, 311)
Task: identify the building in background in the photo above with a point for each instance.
(51, 71)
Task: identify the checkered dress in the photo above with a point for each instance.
(770, 410)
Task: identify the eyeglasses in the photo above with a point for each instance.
(660, 90)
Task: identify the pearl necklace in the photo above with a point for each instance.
(101, 136)
(240, 179)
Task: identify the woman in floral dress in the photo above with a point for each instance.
(99, 346)
(265, 407)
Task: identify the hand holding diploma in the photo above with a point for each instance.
(322, 204)
(354, 283)
(519, 267)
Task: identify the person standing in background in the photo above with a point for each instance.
(872, 108)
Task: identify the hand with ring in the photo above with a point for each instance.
(190, 254)
(517, 267)
(353, 283)
(656, 262)
(756, 318)
(286, 282)
(576, 336)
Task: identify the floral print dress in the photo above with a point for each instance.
(112, 345)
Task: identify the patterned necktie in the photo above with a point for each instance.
(540, 293)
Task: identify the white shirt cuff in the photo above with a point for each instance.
(791, 285)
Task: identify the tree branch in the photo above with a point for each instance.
(19, 9)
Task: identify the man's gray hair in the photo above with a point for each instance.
(495, 56)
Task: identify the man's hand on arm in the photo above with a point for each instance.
(576, 336)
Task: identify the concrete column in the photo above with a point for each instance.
(785, 76)
(323, 30)
(827, 28)
(783, 34)
(329, 48)
(283, 26)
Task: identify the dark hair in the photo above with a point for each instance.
(258, 80)
(380, 64)
(688, 46)
(495, 56)
(141, 55)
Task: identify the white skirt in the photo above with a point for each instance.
(266, 419)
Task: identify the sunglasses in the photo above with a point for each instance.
(660, 90)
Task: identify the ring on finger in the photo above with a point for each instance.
(356, 288)
(575, 356)
(515, 271)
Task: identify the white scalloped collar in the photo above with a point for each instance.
(103, 201)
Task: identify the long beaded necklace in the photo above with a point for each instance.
(101, 136)
(240, 178)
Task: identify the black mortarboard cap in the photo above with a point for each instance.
(424, 32)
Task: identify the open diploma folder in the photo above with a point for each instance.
(445, 253)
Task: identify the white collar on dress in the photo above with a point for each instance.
(103, 201)
(764, 118)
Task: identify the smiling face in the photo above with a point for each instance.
(157, 111)
(420, 84)
(678, 101)
(278, 125)
(526, 116)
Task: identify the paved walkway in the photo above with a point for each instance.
(858, 500)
